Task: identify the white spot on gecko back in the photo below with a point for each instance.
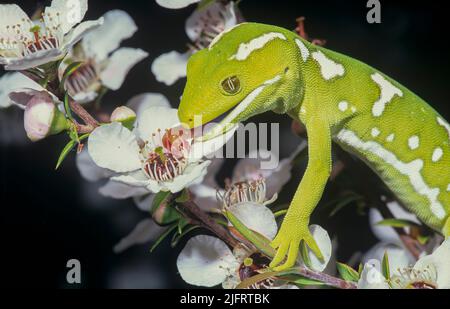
(328, 67)
(413, 142)
(443, 123)
(245, 49)
(375, 132)
(343, 105)
(390, 137)
(448, 187)
(387, 93)
(437, 154)
(303, 49)
(220, 35)
(412, 170)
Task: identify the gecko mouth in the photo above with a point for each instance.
(227, 120)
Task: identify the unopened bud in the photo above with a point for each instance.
(124, 115)
(42, 118)
(165, 214)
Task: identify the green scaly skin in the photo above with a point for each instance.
(337, 98)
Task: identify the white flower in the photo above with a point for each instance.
(205, 24)
(123, 114)
(176, 4)
(390, 242)
(371, 277)
(43, 118)
(247, 169)
(14, 81)
(157, 155)
(430, 272)
(92, 172)
(104, 63)
(207, 261)
(25, 43)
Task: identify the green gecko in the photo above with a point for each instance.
(254, 68)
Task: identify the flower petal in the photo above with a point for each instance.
(324, 242)
(119, 64)
(12, 15)
(88, 169)
(145, 231)
(144, 202)
(399, 258)
(205, 196)
(156, 118)
(141, 102)
(256, 217)
(117, 26)
(11, 82)
(33, 60)
(136, 179)
(387, 233)
(170, 67)
(120, 190)
(63, 14)
(193, 174)
(440, 259)
(216, 15)
(77, 33)
(175, 4)
(208, 148)
(205, 261)
(114, 147)
(371, 277)
(252, 168)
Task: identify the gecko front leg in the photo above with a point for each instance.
(295, 227)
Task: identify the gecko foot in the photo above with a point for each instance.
(287, 242)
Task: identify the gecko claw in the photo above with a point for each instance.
(288, 244)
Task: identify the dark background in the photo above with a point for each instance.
(49, 217)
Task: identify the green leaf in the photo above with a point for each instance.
(259, 241)
(71, 68)
(385, 266)
(67, 106)
(69, 146)
(160, 198)
(360, 269)
(347, 273)
(163, 236)
(345, 201)
(305, 255)
(393, 222)
(178, 236)
(163, 212)
(302, 281)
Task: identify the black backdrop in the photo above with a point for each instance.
(48, 217)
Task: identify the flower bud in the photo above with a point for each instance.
(124, 115)
(42, 118)
(165, 214)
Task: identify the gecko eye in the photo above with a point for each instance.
(231, 85)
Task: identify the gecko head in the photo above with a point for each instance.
(244, 72)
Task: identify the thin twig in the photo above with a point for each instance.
(209, 223)
(83, 114)
(329, 280)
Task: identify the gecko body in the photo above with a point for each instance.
(255, 68)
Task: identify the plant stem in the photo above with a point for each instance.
(209, 223)
(329, 280)
(83, 114)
